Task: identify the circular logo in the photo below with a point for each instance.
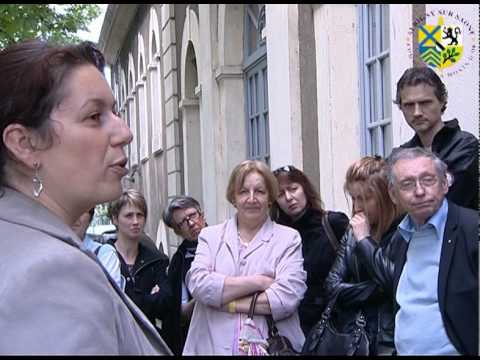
(446, 41)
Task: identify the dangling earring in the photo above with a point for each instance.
(37, 183)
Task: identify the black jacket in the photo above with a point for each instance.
(457, 278)
(179, 265)
(149, 270)
(459, 150)
(318, 257)
(356, 289)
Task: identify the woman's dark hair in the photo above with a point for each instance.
(422, 75)
(32, 74)
(293, 174)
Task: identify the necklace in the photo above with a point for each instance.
(244, 243)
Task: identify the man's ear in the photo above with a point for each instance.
(20, 142)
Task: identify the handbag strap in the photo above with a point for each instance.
(272, 328)
(329, 231)
(329, 308)
(251, 310)
(359, 318)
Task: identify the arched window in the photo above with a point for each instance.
(142, 100)
(154, 81)
(132, 111)
(122, 102)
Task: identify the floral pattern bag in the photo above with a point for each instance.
(250, 340)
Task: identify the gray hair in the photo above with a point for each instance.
(176, 203)
(414, 153)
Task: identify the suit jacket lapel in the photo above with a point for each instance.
(230, 238)
(400, 260)
(446, 255)
(261, 238)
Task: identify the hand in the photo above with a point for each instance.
(263, 281)
(360, 226)
(155, 289)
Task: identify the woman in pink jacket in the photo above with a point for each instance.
(246, 254)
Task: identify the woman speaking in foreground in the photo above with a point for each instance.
(61, 153)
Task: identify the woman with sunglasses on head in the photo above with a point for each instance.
(300, 207)
(374, 217)
(61, 153)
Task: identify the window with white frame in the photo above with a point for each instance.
(142, 101)
(132, 112)
(255, 68)
(154, 81)
(122, 96)
(376, 97)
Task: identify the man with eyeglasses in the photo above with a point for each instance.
(422, 98)
(432, 267)
(184, 215)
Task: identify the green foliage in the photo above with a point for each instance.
(450, 54)
(58, 23)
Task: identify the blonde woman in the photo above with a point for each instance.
(374, 217)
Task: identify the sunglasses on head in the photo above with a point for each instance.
(285, 169)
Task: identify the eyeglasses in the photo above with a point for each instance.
(411, 184)
(286, 168)
(190, 217)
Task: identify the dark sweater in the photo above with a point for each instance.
(318, 255)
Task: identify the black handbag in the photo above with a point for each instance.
(326, 339)
(347, 337)
(278, 345)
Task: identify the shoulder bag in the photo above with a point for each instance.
(329, 231)
(327, 338)
(278, 345)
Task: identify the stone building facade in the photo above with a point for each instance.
(205, 86)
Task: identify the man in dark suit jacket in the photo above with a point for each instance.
(432, 265)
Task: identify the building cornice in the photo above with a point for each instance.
(117, 21)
